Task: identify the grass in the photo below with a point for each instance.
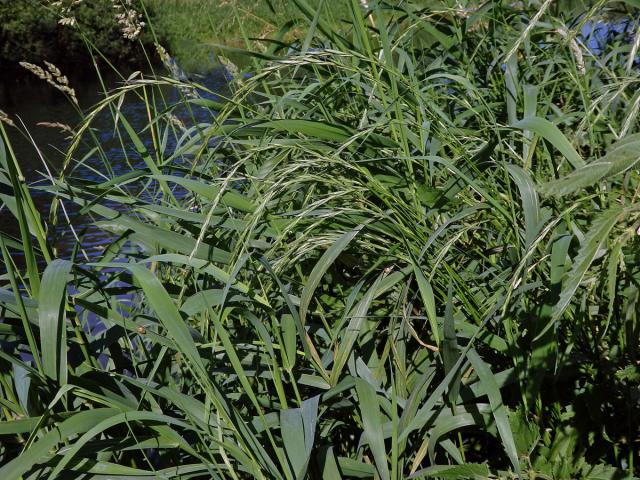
(406, 247)
(191, 30)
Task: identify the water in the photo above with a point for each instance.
(597, 34)
(31, 101)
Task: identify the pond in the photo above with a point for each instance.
(43, 111)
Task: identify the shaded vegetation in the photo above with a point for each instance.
(30, 31)
(406, 247)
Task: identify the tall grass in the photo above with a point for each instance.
(405, 247)
(193, 30)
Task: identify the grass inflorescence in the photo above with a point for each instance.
(405, 247)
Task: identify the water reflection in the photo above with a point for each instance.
(597, 35)
(39, 107)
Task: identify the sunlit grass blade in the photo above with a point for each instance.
(553, 135)
(52, 306)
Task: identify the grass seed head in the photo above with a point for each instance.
(4, 118)
(53, 76)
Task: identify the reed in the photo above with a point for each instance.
(405, 247)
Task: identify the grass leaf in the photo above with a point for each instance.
(553, 135)
(52, 319)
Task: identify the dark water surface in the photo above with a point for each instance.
(32, 101)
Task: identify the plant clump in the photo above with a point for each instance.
(404, 245)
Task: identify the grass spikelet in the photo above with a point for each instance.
(4, 118)
(53, 76)
(130, 20)
(575, 48)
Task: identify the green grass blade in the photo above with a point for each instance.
(372, 422)
(40, 450)
(357, 318)
(167, 312)
(529, 199)
(577, 180)
(621, 157)
(597, 236)
(498, 409)
(52, 319)
(553, 135)
(453, 472)
(428, 301)
(298, 427)
(327, 259)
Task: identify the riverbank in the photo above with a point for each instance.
(189, 31)
(32, 32)
(47, 120)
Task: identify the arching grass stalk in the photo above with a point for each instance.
(385, 255)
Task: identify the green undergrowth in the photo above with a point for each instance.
(406, 247)
(34, 30)
(192, 30)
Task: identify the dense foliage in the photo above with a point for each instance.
(35, 30)
(30, 30)
(406, 246)
(192, 31)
